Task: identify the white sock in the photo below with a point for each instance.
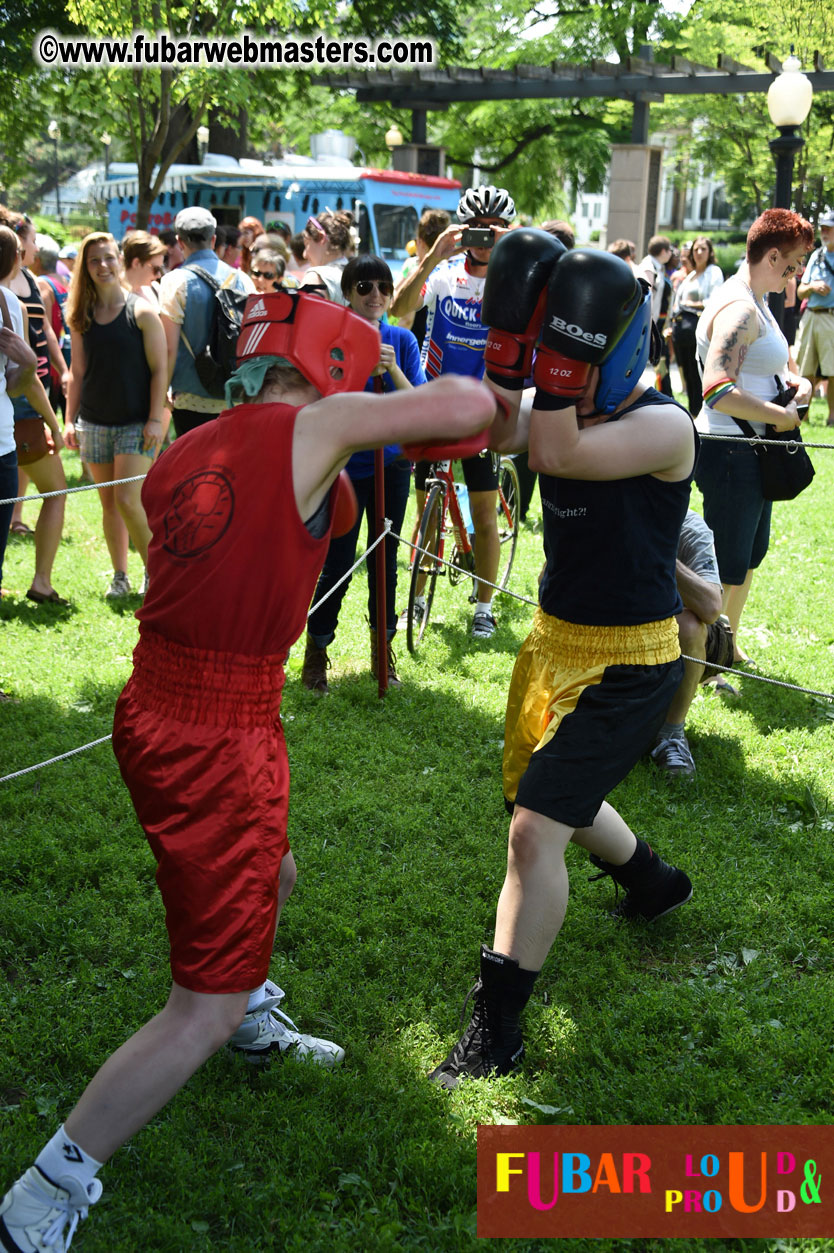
(256, 997)
(484, 606)
(62, 1157)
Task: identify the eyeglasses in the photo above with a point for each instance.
(264, 274)
(366, 285)
(315, 229)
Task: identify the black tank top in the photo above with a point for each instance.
(611, 545)
(37, 315)
(116, 387)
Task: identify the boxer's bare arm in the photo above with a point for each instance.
(329, 431)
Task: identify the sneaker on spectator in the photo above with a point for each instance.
(483, 625)
(120, 586)
(419, 613)
(266, 1030)
(35, 1212)
(674, 757)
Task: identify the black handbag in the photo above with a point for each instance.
(785, 468)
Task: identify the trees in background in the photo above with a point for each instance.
(540, 149)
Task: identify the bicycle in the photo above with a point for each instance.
(442, 518)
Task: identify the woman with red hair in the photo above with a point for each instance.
(747, 365)
(250, 228)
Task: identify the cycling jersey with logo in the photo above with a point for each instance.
(455, 337)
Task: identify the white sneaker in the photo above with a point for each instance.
(266, 1029)
(35, 1212)
(120, 586)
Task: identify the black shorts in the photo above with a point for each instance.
(480, 474)
(584, 704)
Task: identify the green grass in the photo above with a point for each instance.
(721, 1013)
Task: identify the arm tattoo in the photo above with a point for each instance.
(731, 350)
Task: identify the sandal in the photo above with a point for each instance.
(47, 598)
(723, 685)
(20, 528)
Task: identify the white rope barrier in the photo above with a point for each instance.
(137, 478)
(742, 674)
(467, 574)
(415, 548)
(791, 444)
(68, 491)
(104, 739)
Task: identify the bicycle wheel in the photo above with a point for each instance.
(509, 495)
(424, 568)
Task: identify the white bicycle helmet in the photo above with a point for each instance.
(486, 202)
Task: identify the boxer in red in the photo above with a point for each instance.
(197, 730)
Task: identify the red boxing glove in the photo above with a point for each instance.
(332, 346)
(344, 508)
(469, 446)
(562, 377)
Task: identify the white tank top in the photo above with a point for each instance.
(766, 357)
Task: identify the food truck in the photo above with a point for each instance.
(386, 204)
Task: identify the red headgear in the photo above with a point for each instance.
(333, 347)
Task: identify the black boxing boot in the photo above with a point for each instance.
(491, 1045)
(653, 887)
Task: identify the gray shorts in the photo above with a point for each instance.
(100, 445)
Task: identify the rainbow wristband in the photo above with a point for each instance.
(719, 389)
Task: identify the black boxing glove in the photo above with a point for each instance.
(514, 300)
(591, 298)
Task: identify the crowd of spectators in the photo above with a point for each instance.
(148, 298)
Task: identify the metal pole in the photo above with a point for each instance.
(784, 149)
(57, 181)
(379, 558)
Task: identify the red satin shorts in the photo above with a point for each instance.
(199, 742)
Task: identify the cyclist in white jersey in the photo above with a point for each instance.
(449, 282)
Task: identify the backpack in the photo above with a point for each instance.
(216, 362)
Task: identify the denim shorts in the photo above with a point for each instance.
(738, 515)
(101, 444)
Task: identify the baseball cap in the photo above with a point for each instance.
(68, 252)
(827, 219)
(195, 219)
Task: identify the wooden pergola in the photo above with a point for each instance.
(639, 79)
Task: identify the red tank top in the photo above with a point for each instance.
(232, 566)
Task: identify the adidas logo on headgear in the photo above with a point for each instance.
(258, 310)
(251, 338)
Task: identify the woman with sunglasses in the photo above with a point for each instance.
(367, 286)
(327, 243)
(116, 394)
(267, 271)
(144, 257)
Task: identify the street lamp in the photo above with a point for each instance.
(202, 142)
(788, 103)
(107, 139)
(393, 139)
(53, 130)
